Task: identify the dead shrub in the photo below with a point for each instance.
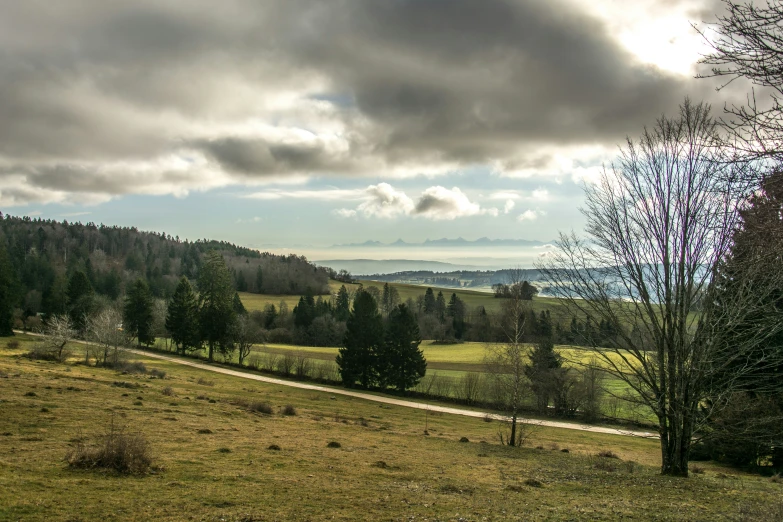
(289, 410)
(155, 373)
(13, 344)
(205, 382)
(603, 464)
(127, 367)
(45, 352)
(168, 391)
(608, 454)
(260, 407)
(126, 453)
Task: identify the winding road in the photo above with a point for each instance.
(378, 398)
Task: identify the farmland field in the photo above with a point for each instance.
(212, 462)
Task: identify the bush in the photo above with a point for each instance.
(608, 454)
(13, 344)
(130, 367)
(260, 407)
(119, 451)
(274, 447)
(157, 374)
(289, 410)
(204, 382)
(334, 444)
(168, 391)
(45, 352)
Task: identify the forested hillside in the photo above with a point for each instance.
(44, 255)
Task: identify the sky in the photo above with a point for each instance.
(297, 124)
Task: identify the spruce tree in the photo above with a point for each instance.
(357, 359)
(182, 317)
(544, 361)
(236, 304)
(430, 305)
(342, 305)
(137, 314)
(7, 297)
(401, 364)
(216, 297)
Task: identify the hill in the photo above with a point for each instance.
(45, 253)
(212, 458)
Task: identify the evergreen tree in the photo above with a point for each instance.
(456, 311)
(216, 299)
(270, 315)
(304, 311)
(429, 302)
(440, 307)
(137, 314)
(342, 305)
(543, 362)
(241, 281)
(182, 318)
(401, 364)
(80, 299)
(7, 296)
(236, 304)
(364, 336)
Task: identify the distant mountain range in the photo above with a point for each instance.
(445, 242)
(387, 266)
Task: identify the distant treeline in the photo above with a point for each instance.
(45, 254)
(456, 279)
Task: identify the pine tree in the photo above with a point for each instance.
(401, 364)
(456, 311)
(241, 281)
(137, 314)
(440, 307)
(7, 296)
(216, 297)
(182, 318)
(543, 362)
(364, 336)
(429, 302)
(342, 305)
(236, 304)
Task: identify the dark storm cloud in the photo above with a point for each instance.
(411, 82)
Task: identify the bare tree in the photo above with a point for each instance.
(245, 333)
(58, 331)
(659, 222)
(506, 362)
(747, 42)
(105, 330)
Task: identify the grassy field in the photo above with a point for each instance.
(472, 298)
(213, 463)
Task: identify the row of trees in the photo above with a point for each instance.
(380, 352)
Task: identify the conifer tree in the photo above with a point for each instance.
(357, 359)
(401, 364)
(80, 296)
(216, 296)
(137, 314)
(182, 318)
(342, 305)
(6, 294)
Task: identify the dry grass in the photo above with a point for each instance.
(280, 468)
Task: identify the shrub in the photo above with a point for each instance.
(204, 382)
(464, 439)
(533, 483)
(30, 394)
(168, 391)
(289, 410)
(334, 444)
(224, 450)
(119, 451)
(608, 454)
(274, 447)
(204, 431)
(13, 344)
(698, 470)
(131, 367)
(260, 407)
(44, 352)
(157, 374)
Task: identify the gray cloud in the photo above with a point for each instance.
(351, 87)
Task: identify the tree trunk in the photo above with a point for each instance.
(211, 350)
(512, 440)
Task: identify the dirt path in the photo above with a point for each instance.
(382, 399)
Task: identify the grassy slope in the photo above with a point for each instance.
(472, 298)
(432, 477)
